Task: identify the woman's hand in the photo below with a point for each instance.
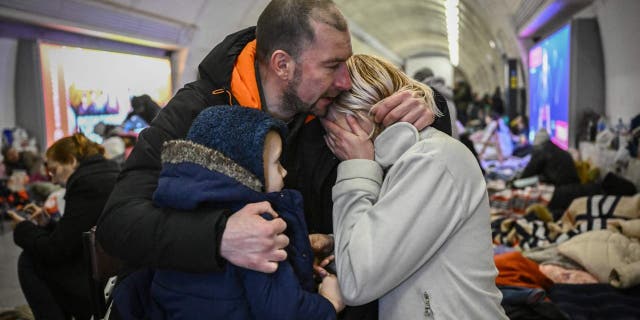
(345, 144)
(38, 215)
(15, 217)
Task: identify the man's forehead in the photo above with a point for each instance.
(326, 30)
(335, 59)
(331, 48)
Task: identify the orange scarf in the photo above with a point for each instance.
(244, 84)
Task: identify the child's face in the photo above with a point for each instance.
(274, 173)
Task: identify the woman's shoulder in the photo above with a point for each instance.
(440, 145)
(401, 141)
(444, 152)
(97, 164)
(95, 170)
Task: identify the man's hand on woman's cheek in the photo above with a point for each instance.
(405, 106)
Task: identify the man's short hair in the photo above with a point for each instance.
(286, 25)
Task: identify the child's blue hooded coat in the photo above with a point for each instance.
(209, 170)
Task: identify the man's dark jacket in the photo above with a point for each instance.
(130, 227)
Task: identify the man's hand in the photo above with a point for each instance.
(345, 144)
(251, 242)
(403, 106)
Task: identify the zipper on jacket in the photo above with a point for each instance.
(428, 312)
(223, 90)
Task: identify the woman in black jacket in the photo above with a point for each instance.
(50, 268)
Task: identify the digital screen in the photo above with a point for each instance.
(83, 87)
(549, 87)
(135, 124)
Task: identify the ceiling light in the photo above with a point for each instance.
(453, 21)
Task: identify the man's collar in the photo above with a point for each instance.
(244, 85)
(263, 101)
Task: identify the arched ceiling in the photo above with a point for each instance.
(399, 29)
(415, 28)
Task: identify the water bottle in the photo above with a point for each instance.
(591, 131)
(621, 128)
(602, 124)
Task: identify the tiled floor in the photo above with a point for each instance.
(10, 293)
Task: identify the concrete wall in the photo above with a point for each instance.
(214, 24)
(619, 27)
(8, 48)
(439, 65)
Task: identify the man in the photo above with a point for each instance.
(296, 67)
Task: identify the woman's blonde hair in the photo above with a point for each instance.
(77, 146)
(373, 79)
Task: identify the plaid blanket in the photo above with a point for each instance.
(528, 231)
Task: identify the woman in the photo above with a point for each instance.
(410, 216)
(50, 268)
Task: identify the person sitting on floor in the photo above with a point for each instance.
(550, 163)
(51, 268)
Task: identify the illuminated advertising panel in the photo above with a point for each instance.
(549, 87)
(83, 87)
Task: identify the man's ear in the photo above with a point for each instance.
(283, 64)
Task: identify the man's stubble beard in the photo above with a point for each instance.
(290, 100)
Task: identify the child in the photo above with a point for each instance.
(231, 158)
